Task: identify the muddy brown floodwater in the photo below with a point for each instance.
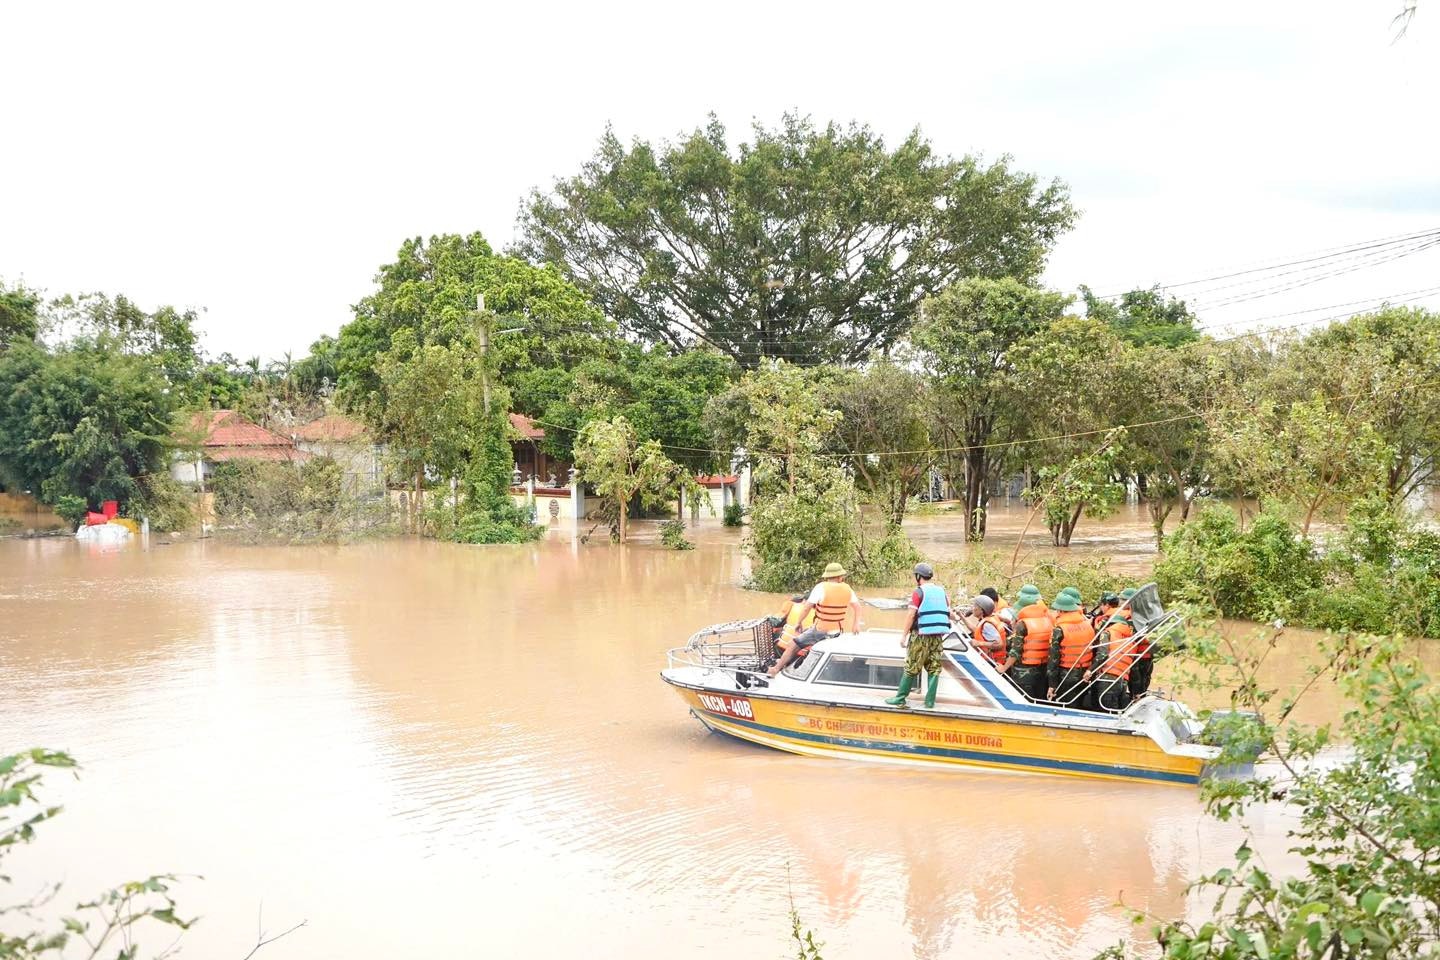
(435, 750)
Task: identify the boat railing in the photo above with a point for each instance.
(740, 647)
(1134, 644)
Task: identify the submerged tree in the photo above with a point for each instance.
(809, 244)
(885, 431)
(804, 513)
(622, 468)
(1316, 455)
(964, 345)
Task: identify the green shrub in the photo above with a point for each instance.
(282, 502)
(1263, 573)
(500, 523)
(793, 536)
(169, 504)
(672, 534)
(71, 509)
(885, 562)
(734, 514)
(1383, 576)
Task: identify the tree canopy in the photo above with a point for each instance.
(432, 289)
(811, 244)
(1145, 318)
(964, 345)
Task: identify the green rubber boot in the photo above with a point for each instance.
(906, 682)
(930, 690)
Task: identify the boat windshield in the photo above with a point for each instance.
(802, 668)
(860, 671)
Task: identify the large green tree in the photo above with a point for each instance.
(1066, 388)
(964, 345)
(431, 290)
(1385, 368)
(166, 336)
(662, 395)
(885, 433)
(86, 420)
(807, 243)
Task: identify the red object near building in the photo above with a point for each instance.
(110, 508)
(93, 519)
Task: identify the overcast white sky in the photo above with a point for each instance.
(260, 160)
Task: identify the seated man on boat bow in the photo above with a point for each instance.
(835, 607)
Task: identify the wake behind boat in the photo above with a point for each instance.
(832, 704)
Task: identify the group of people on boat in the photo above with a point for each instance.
(1056, 651)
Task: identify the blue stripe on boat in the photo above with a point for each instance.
(1005, 700)
(1043, 763)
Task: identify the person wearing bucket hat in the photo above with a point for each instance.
(926, 624)
(1070, 653)
(1029, 594)
(836, 608)
(1028, 651)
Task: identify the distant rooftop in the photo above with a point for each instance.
(230, 435)
(526, 426)
(332, 428)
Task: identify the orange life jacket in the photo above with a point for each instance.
(833, 611)
(1122, 655)
(1033, 610)
(793, 625)
(1145, 649)
(1102, 617)
(1035, 651)
(997, 656)
(1075, 639)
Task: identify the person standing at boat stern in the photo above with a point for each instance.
(1070, 650)
(1028, 652)
(926, 624)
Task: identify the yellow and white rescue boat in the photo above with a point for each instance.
(831, 703)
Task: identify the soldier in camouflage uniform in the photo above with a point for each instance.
(1033, 626)
(925, 628)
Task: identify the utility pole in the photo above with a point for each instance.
(482, 333)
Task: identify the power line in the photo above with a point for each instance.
(1307, 281)
(1331, 253)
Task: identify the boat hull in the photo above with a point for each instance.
(936, 740)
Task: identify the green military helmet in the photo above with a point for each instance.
(1066, 601)
(1127, 593)
(1072, 592)
(1028, 594)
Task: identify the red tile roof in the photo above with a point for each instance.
(526, 427)
(716, 480)
(230, 436)
(332, 428)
